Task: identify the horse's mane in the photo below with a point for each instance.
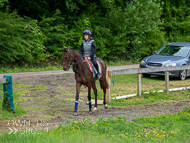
(76, 51)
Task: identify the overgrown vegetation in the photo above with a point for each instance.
(123, 29)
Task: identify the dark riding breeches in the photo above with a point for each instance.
(95, 63)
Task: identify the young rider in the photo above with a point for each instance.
(88, 48)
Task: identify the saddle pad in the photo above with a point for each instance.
(92, 68)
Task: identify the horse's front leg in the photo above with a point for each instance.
(89, 99)
(78, 86)
(95, 93)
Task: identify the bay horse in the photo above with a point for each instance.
(83, 76)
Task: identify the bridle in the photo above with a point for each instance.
(70, 55)
(69, 62)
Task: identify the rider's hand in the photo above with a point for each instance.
(89, 58)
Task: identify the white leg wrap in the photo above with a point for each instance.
(94, 109)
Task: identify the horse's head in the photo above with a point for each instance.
(68, 58)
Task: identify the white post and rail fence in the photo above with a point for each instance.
(139, 71)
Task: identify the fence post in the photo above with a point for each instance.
(8, 94)
(167, 81)
(108, 91)
(139, 84)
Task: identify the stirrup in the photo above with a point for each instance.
(98, 75)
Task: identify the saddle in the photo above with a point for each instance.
(92, 68)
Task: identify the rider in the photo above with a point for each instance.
(88, 48)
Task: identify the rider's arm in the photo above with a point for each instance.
(81, 49)
(93, 50)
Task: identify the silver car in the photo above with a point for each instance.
(173, 54)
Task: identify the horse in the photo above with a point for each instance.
(83, 76)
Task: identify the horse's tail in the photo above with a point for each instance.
(106, 83)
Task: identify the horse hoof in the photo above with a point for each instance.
(75, 114)
(90, 112)
(106, 106)
(94, 109)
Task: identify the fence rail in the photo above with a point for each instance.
(139, 71)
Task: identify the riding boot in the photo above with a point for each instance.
(96, 66)
(98, 74)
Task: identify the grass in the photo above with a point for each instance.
(19, 110)
(152, 98)
(30, 69)
(120, 62)
(127, 84)
(162, 128)
(100, 95)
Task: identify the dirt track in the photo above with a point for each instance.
(51, 98)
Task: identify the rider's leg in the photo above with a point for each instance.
(95, 63)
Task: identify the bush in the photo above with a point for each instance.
(58, 35)
(21, 40)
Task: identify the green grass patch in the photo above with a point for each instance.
(30, 69)
(19, 110)
(163, 128)
(100, 95)
(120, 62)
(127, 84)
(151, 98)
(21, 85)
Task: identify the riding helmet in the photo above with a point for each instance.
(87, 32)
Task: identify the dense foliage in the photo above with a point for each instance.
(35, 31)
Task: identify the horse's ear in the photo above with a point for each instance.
(65, 50)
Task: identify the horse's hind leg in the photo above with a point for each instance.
(95, 93)
(89, 99)
(78, 86)
(104, 85)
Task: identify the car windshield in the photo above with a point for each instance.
(174, 51)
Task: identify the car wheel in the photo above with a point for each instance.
(146, 75)
(182, 75)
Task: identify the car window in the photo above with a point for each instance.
(174, 51)
(164, 51)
